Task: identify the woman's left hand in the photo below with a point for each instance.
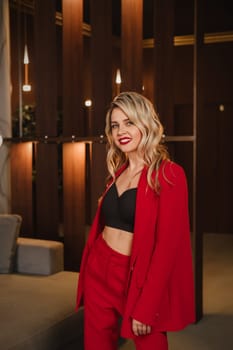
(140, 328)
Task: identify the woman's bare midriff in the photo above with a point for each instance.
(119, 240)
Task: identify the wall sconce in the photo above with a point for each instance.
(221, 108)
(88, 117)
(26, 86)
(88, 103)
(118, 81)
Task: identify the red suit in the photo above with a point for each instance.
(160, 289)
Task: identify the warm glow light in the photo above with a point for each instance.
(118, 81)
(73, 165)
(26, 58)
(221, 108)
(88, 103)
(80, 152)
(27, 87)
(1, 140)
(118, 77)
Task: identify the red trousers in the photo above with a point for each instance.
(104, 299)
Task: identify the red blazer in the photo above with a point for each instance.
(160, 289)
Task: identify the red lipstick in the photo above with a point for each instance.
(124, 140)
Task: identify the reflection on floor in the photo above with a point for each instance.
(215, 330)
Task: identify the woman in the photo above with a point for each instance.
(137, 262)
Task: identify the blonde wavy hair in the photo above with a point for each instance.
(141, 112)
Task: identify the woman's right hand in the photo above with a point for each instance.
(140, 328)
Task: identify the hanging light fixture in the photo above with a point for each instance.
(26, 86)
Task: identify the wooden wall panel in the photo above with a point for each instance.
(164, 62)
(72, 68)
(98, 173)
(47, 212)
(216, 169)
(87, 83)
(46, 160)
(209, 173)
(183, 119)
(74, 203)
(148, 81)
(182, 153)
(183, 75)
(21, 185)
(198, 159)
(131, 44)
(218, 75)
(224, 183)
(45, 68)
(101, 62)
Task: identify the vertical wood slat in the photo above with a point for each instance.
(74, 203)
(47, 212)
(97, 178)
(73, 121)
(21, 185)
(209, 173)
(45, 68)
(46, 120)
(198, 210)
(225, 170)
(101, 61)
(131, 44)
(163, 62)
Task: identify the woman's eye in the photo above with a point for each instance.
(130, 123)
(113, 126)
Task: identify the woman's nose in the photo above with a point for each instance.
(121, 129)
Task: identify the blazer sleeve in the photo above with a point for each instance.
(173, 224)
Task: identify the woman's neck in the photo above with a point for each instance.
(135, 162)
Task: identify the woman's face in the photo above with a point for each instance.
(125, 134)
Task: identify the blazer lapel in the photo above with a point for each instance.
(145, 215)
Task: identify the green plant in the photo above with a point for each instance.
(28, 122)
